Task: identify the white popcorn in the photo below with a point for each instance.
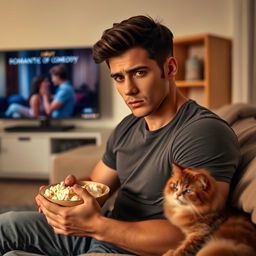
(94, 189)
(66, 193)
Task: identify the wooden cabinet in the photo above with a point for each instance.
(24, 155)
(28, 155)
(213, 90)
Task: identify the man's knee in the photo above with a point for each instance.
(8, 217)
(12, 217)
(9, 222)
(12, 222)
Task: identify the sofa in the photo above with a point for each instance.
(241, 117)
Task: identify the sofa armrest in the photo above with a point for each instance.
(79, 162)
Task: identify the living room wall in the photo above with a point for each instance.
(71, 23)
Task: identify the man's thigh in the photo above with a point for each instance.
(21, 253)
(104, 247)
(30, 232)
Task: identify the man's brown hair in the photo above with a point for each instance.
(60, 71)
(138, 31)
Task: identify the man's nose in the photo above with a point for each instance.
(130, 87)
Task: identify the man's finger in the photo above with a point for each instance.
(51, 207)
(82, 192)
(70, 180)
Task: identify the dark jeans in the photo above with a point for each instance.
(30, 232)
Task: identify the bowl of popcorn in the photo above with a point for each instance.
(64, 195)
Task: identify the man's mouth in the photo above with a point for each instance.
(135, 103)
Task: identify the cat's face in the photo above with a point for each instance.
(188, 187)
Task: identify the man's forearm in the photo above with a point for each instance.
(151, 237)
(46, 104)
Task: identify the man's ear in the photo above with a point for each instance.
(171, 67)
(177, 168)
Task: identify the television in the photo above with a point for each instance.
(18, 68)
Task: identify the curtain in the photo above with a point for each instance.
(253, 96)
(244, 52)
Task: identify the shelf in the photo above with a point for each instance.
(214, 88)
(184, 83)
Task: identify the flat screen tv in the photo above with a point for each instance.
(18, 69)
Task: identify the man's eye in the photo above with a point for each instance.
(140, 73)
(118, 78)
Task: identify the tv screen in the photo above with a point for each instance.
(22, 71)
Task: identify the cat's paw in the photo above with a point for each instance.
(169, 253)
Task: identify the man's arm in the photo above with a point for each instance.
(223, 187)
(49, 107)
(101, 173)
(150, 237)
(106, 175)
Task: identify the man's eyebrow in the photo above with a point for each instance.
(132, 70)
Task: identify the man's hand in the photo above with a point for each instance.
(44, 91)
(78, 220)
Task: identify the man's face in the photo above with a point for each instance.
(138, 80)
(55, 79)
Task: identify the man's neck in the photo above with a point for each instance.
(62, 82)
(167, 112)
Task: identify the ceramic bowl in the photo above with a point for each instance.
(101, 198)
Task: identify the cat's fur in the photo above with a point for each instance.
(193, 203)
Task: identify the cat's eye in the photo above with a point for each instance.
(174, 186)
(188, 191)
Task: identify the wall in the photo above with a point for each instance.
(67, 23)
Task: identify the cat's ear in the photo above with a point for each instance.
(177, 168)
(203, 180)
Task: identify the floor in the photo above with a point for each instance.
(19, 192)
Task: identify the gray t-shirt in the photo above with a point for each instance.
(195, 137)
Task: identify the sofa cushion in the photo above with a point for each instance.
(243, 196)
(79, 162)
(241, 117)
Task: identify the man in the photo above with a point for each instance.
(164, 127)
(64, 99)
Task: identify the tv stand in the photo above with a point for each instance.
(44, 126)
(39, 128)
(29, 155)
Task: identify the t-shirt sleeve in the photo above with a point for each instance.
(62, 95)
(109, 157)
(210, 144)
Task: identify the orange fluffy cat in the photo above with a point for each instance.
(192, 204)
